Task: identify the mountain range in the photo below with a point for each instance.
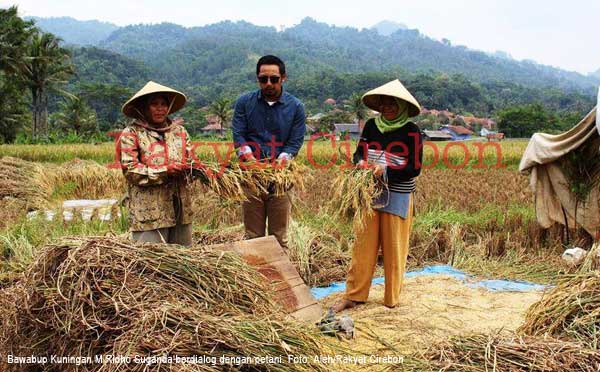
(387, 45)
(323, 61)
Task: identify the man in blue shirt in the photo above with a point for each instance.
(268, 125)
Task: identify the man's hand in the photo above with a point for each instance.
(248, 161)
(283, 162)
(247, 157)
(284, 158)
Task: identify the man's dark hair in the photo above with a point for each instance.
(270, 60)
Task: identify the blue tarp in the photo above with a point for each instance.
(492, 285)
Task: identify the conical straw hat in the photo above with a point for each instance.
(394, 89)
(176, 99)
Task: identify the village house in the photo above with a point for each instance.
(213, 126)
(436, 135)
(351, 129)
(457, 132)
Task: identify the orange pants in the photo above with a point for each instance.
(392, 234)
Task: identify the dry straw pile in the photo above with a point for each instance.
(319, 257)
(26, 181)
(571, 310)
(222, 235)
(483, 353)
(99, 296)
(89, 179)
(36, 184)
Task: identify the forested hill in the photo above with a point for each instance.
(99, 66)
(343, 49)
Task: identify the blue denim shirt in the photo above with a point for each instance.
(256, 123)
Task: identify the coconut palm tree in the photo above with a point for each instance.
(355, 106)
(221, 108)
(47, 66)
(14, 34)
(75, 115)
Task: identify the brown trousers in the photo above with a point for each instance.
(263, 208)
(391, 233)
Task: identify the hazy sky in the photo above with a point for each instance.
(558, 33)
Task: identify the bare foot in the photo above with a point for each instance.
(344, 304)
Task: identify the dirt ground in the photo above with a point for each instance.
(432, 308)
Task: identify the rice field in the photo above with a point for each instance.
(318, 153)
(474, 211)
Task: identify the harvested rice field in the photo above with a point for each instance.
(79, 286)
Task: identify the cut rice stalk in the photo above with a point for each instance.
(354, 194)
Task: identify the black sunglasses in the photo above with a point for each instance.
(265, 79)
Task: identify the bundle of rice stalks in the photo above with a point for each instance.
(87, 179)
(230, 182)
(320, 258)
(267, 178)
(223, 181)
(354, 193)
(104, 296)
(571, 309)
(483, 353)
(26, 181)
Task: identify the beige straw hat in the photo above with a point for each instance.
(394, 89)
(176, 99)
